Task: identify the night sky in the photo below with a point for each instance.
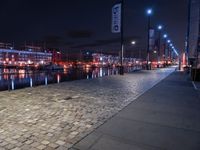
(86, 24)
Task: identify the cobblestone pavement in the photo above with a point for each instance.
(58, 115)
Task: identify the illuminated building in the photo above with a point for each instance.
(19, 57)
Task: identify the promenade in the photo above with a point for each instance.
(57, 116)
(167, 117)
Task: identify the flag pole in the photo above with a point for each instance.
(121, 72)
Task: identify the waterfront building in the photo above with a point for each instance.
(12, 57)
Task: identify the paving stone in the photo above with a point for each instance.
(10, 146)
(16, 148)
(25, 147)
(53, 145)
(32, 148)
(14, 142)
(35, 144)
(3, 144)
(61, 148)
(29, 142)
(41, 147)
(59, 142)
(19, 144)
(58, 114)
(49, 148)
(45, 142)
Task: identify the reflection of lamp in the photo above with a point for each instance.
(58, 78)
(42, 62)
(101, 58)
(29, 62)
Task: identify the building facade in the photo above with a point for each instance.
(194, 34)
(18, 57)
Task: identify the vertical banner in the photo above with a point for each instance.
(116, 18)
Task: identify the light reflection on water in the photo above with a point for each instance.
(11, 79)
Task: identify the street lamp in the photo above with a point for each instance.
(165, 46)
(133, 42)
(165, 36)
(159, 32)
(168, 49)
(160, 27)
(149, 13)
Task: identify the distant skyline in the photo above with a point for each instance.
(86, 24)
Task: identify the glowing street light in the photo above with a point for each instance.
(149, 11)
(165, 36)
(133, 42)
(168, 41)
(160, 27)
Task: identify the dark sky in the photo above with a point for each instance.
(86, 24)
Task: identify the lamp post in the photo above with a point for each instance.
(159, 32)
(149, 13)
(165, 43)
(168, 53)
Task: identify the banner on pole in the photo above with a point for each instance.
(116, 18)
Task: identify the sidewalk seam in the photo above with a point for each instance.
(160, 125)
(131, 142)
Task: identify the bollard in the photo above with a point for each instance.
(31, 82)
(46, 80)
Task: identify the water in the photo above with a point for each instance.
(11, 79)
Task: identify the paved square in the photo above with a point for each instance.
(58, 115)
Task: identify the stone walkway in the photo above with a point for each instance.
(166, 117)
(58, 115)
